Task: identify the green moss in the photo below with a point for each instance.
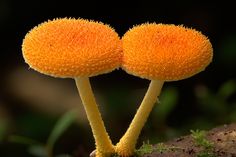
(147, 148)
(200, 140)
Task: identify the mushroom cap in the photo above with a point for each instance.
(72, 48)
(165, 52)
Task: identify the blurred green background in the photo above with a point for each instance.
(31, 103)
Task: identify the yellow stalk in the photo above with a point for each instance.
(104, 145)
(126, 145)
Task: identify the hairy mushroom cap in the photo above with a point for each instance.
(72, 48)
(165, 52)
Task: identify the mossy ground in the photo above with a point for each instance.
(219, 142)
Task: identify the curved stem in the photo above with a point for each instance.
(104, 145)
(127, 143)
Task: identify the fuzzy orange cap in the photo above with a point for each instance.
(72, 48)
(165, 52)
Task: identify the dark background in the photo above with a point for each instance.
(119, 92)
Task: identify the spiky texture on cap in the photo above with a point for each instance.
(165, 52)
(72, 48)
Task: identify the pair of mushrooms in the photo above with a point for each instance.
(79, 49)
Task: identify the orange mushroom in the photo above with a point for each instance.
(160, 52)
(76, 48)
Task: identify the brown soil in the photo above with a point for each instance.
(223, 139)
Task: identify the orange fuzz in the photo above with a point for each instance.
(72, 48)
(165, 52)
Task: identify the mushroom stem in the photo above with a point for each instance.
(104, 145)
(127, 143)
